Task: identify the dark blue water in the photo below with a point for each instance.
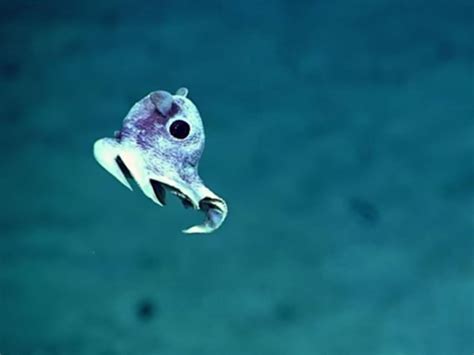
(340, 133)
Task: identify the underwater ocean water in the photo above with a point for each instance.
(340, 134)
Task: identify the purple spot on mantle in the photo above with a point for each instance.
(150, 121)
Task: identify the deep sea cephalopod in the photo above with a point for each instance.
(159, 147)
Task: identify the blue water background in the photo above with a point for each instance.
(341, 134)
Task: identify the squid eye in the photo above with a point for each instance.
(179, 129)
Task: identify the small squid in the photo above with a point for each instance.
(159, 147)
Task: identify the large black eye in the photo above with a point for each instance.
(179, 129)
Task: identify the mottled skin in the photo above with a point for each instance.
(156, 159)
(148, 128)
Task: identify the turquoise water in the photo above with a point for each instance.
(340, 133)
